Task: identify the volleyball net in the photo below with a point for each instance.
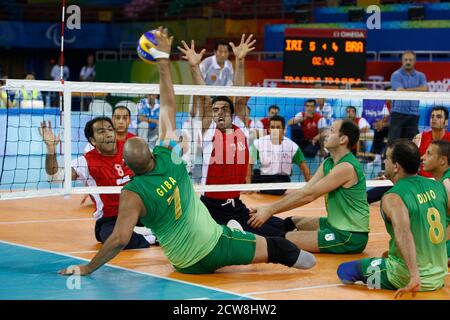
(25, 104)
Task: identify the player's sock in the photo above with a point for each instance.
(350, 272)
(305, 260)
(289, 225)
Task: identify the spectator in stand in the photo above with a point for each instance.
(148, 116)
(6, 96)
(405, 114)
(29, 98)
(263, 124)
(55, 74)
(305, 131)
(362, 124)
(277, 154)
(87, 73)
(217, 70)
(439, 131)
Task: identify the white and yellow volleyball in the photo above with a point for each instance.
(146, 42)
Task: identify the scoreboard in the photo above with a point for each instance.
(331, 55)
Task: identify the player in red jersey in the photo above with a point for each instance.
(439, 131)
(225, 147)
(102, 166)
(121, 119)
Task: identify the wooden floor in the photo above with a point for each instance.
(62, 225)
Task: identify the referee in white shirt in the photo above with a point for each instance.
(277, 154)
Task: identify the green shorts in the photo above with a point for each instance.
(375, 273)
(332, 240)
(233, 248)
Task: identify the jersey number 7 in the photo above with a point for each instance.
(175, 196)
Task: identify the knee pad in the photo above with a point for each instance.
(282, 251)
(350, 272)
(289, 225)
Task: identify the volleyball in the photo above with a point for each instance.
(146, 42)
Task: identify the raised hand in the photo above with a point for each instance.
(190, 55)
(48, 136)
(246, 46)
(163, 39)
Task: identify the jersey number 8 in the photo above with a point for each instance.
(436, 229)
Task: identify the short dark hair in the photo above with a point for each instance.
(443, 148)
(274, 106)
(278, 118)
(89, 127)
(311, 101)
(351, 130)
(222, 42)
(121, 106)
(351, 107)
(223, 98)
(441, 108)
(405, 153)
(409, 52)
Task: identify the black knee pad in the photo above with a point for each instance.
(282, 251)
(289, 225)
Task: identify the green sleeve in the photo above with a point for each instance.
(298, 157)
(254, 153)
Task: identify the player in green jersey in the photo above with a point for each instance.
(414, 212)
(341, 179)
(162, 196)
(437, 161)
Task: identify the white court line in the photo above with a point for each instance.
(95, 251)
(46, 221)
(296, 289)
(130, 270)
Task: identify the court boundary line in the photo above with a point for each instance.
(45, 221)
(126, 269)
(296, 289)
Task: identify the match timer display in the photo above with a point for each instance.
(332, 55)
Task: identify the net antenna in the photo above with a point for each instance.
(61, 70)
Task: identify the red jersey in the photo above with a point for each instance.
(98, 170)
(225, 160)
(309, 126)
(425, 141)
(265, 122)
(129, 136)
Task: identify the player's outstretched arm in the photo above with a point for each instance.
(316, 187)
(168, 110)
(130, 209)
(202, 103)
(51, 142)
(240, 52)
(397, 213)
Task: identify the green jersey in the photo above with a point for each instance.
(181, 222)
(445, 176)
(426, 201)
(347, 208)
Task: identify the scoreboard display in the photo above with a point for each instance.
(332, 55)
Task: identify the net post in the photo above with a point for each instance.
(67, 140)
